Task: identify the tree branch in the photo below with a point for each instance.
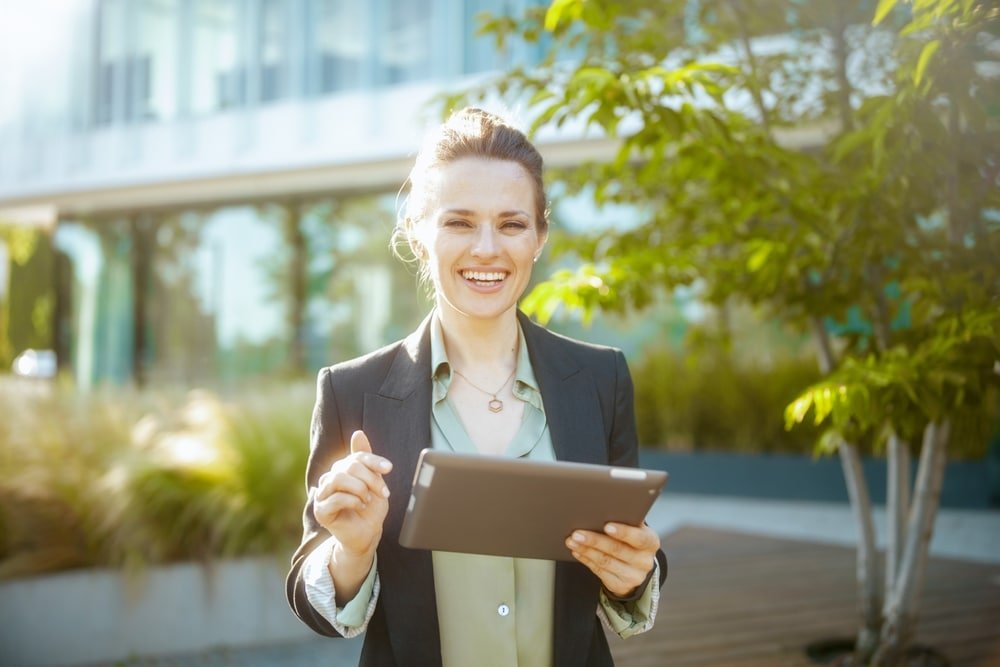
(755, 83)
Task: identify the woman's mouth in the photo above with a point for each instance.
(485, 278)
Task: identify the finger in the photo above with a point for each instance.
(328, 509)
(615, 575)
(619, 577)
(642, 538)
(344, 482)
(361, 445)
(373, 480)
(605, 544)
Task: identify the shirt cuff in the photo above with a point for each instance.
(639, 591)
(626, 618)
(351, 619)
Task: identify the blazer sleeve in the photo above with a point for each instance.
(623, 445)
(326, 445)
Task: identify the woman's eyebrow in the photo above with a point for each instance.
(469, 213)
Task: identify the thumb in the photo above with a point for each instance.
(359, 442)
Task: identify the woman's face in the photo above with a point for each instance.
(480, 235)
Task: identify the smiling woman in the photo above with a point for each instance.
(476, 377)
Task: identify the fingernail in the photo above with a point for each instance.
(578, 537)
(610, 530)
(385, 491)
(385, 465)
(368, 498)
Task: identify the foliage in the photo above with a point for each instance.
(124, 480)
(714, 400)
(879, 234)
(883, 236)
(28, 301)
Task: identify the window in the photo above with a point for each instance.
(404, 49)
(273, 50)
(153, 93)
(217, 74)
(341, 32)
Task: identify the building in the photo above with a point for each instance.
(219, 178)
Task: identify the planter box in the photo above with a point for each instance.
(90, 616)
(967, 484)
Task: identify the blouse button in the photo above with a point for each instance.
(503, 610)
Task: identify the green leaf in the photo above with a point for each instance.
(796, 411)
(559, 9)
(930, 48)
(883, 9)
(759, 256)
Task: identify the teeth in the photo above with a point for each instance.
(483, 276)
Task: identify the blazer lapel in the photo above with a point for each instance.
(397, 421)
(573, 414)
(572, 409)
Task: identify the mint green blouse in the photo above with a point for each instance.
(494, 610)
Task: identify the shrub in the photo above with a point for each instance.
(124, 479)
(706, 399)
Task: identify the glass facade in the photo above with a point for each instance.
(157, 60)
(216, 296)
(164, 91)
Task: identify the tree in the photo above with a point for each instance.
(880, 239)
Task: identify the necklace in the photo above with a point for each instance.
(495, 404)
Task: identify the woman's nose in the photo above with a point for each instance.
(485, 245)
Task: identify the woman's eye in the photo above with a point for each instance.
(457, 223)
(514, 225)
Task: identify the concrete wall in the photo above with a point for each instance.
(91, 616)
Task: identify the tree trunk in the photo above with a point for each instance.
(866, 567)
(897, 503)
(900, 613)
(869, 602)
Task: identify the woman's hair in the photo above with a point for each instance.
(470, 132)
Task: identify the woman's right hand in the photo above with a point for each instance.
(352, 500)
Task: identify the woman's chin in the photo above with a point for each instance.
(478, 308)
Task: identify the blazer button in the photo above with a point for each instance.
(503, 610)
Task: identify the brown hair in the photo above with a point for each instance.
(470, 132)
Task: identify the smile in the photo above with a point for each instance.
(485, 277)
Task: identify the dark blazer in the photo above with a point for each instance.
(587, 394)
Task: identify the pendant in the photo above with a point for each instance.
(496, 405)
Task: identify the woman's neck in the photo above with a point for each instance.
(483, 347)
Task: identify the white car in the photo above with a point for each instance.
(35, 364)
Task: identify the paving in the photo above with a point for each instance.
(968, 535)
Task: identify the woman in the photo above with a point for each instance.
(476, 376)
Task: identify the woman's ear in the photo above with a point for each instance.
(542, 238)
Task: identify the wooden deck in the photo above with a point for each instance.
(738, 600)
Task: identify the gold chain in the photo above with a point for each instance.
(495, 404)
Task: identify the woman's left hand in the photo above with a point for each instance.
(621, 557)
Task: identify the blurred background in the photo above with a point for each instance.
(196, 198)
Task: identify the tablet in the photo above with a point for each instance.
(502, 506)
